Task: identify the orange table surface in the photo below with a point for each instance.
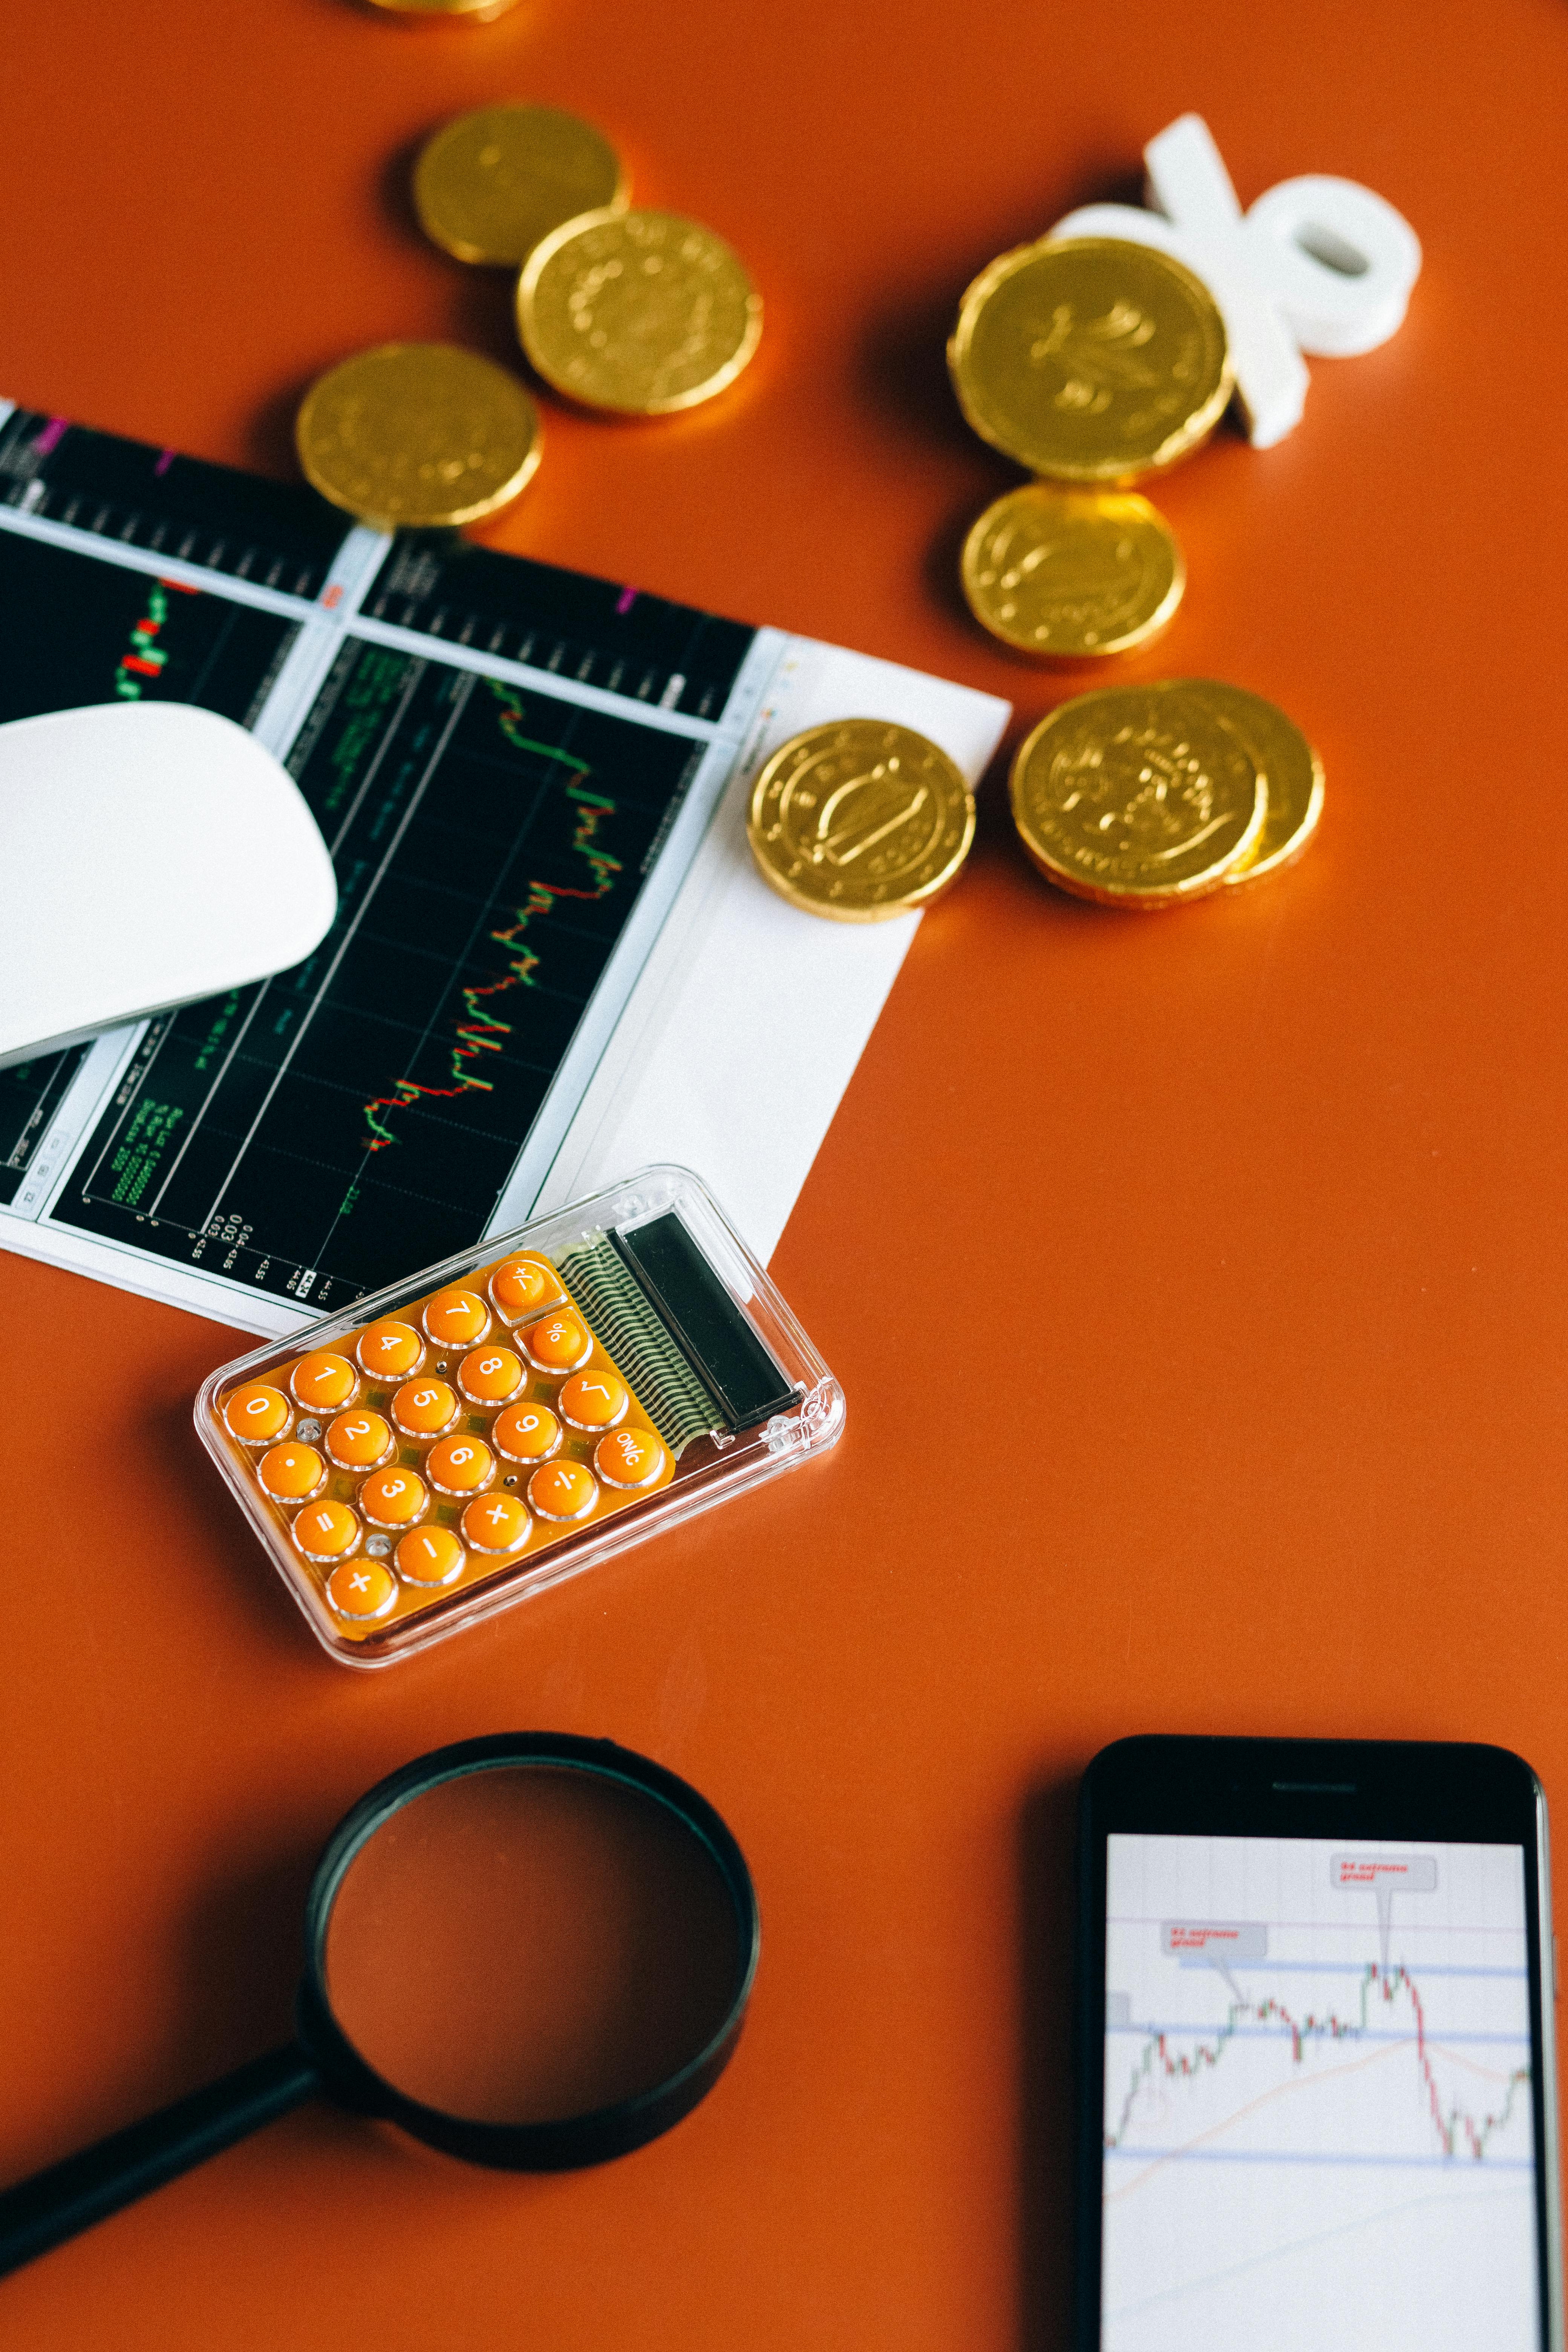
(1223, 1254)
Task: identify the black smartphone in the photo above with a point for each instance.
(1317, 2086)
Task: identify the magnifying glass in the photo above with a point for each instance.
(531, 1950)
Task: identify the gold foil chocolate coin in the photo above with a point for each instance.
(1088, 359)
(489, 185)
(1072, 573)
(1295, 776)
(860, 820)
(417, 435)
(1137, 796)
(638, 312)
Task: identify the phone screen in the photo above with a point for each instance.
(1318, 2122)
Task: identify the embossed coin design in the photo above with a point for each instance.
(1072, 573)
(1089, 359)
(1137, 796)
(860, 820)
(488, 187)
(640, 312)
(1295, 776)
(417, 435)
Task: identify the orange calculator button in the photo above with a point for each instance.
(559, 1344)
(432, 1556)
(291, 1474)
(389, 1351)
(498, 1523)
(326, 1530)
(322, 1381)
(362, 1588)
(527, 1432)
(563, 1490)
(358, 1441)
(460, 1466)
(425, 1408)
(524, 1285)
(456, 1319)
(490, 1375)
(256, 1413)
(632, 1457)
(393, 1498)
(594, 1400)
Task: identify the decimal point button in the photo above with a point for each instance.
(291, 1474)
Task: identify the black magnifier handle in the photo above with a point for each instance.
(54, 2205)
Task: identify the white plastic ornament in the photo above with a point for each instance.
(1316, 265)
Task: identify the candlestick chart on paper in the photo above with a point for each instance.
(1319, 2125)
(318, 1133)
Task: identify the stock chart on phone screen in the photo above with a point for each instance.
(1318, 2127)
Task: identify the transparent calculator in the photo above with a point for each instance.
(463, 1439)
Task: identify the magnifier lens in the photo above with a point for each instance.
(525, 1943)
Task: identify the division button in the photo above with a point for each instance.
(326, 1530)
(425, 1408)
(525, 1285)
(490, 1375)
(559, 1344)
(393, 1498)
(358, 1441)
(563, 1490)
(322, 1382)
(456, 1317)
(631, 1457)
(362, 1588)
(459, 1466)
(430, 1555)
(256, 1413)
(526, 1432)
(291, 1474)
(496, 1523)
(389, 1351)
(594, 1400)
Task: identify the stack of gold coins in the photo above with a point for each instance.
(636, 312)
(1092, 361)
(1147, 796)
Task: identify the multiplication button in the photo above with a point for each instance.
(496, 1523)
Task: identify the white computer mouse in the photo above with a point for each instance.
(149, 854)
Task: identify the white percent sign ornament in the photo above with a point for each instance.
(1316, 265)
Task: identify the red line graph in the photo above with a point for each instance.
(1457, 2131)
(483, 1028)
